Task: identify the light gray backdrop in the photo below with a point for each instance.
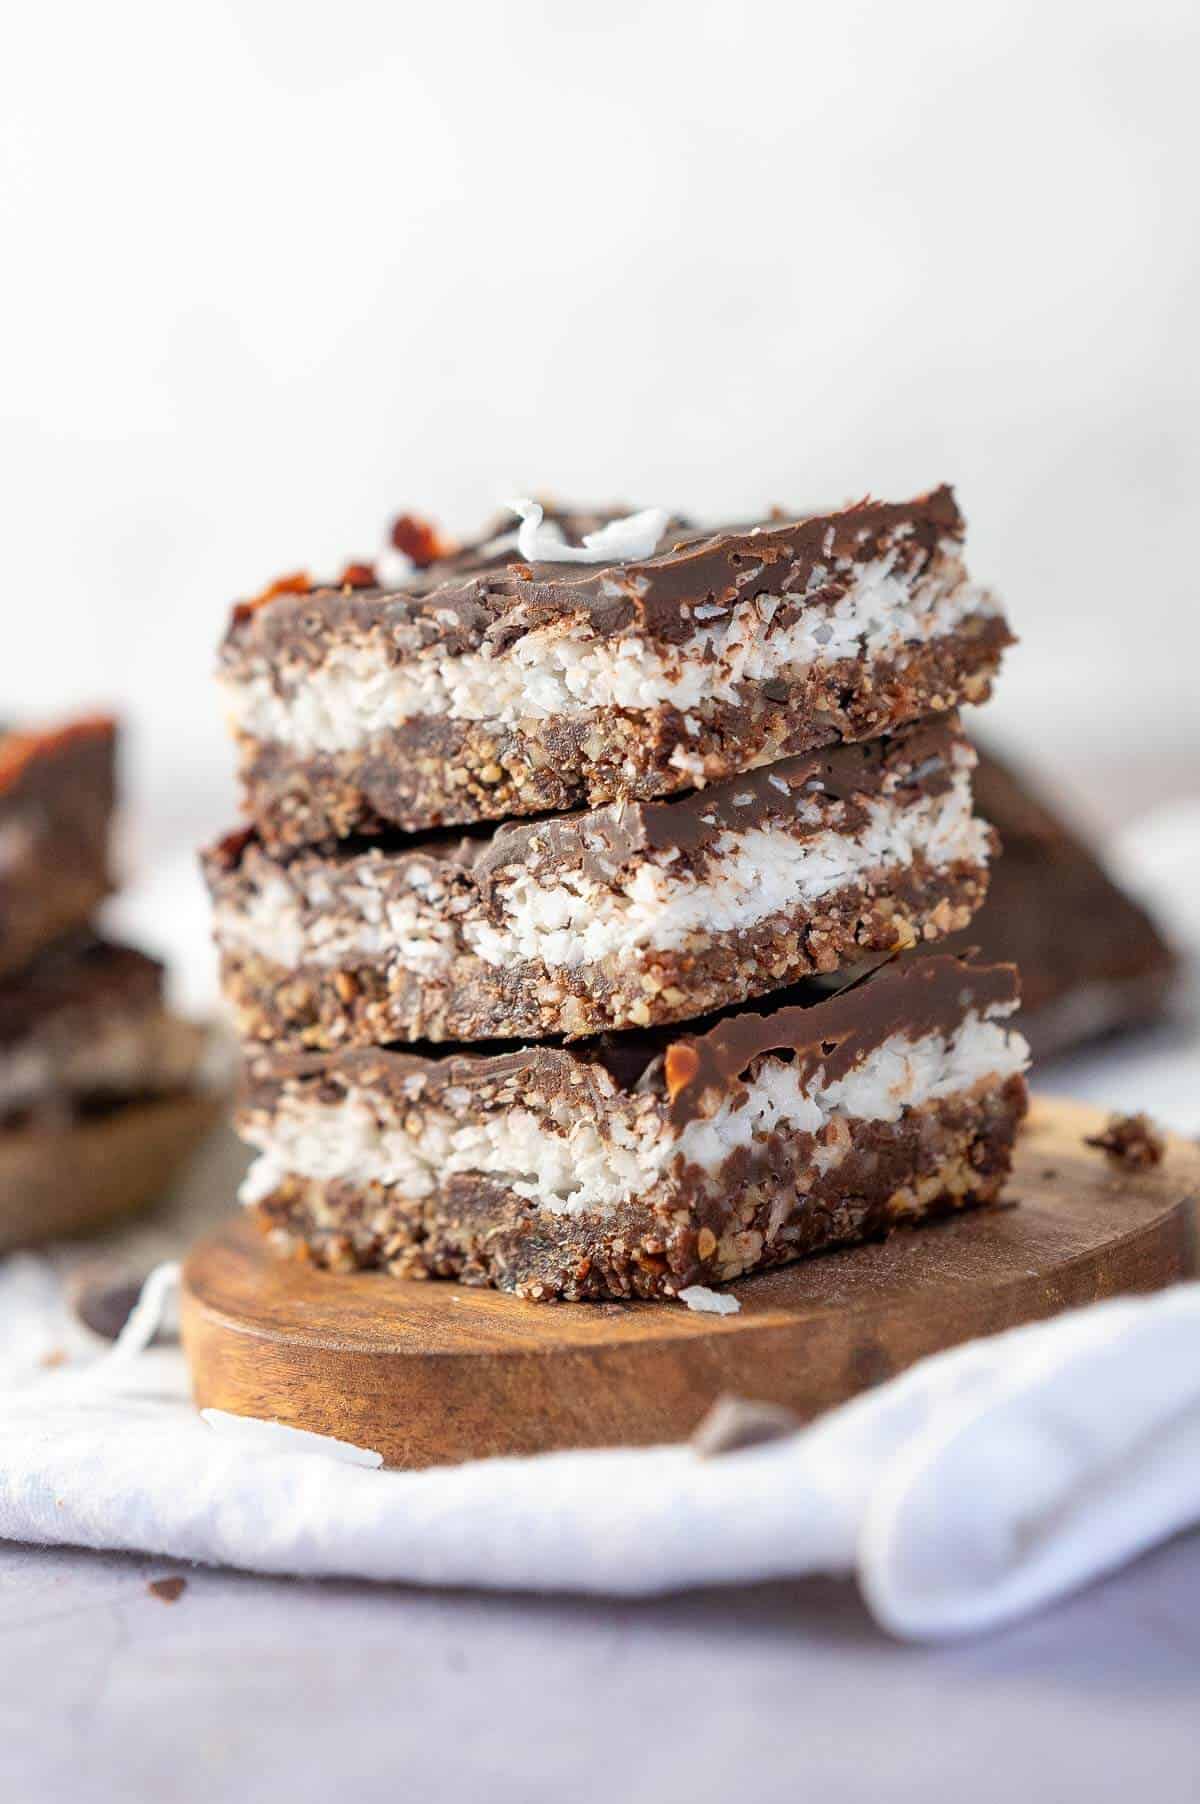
(273, 272)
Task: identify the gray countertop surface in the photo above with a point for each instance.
(284, 1692)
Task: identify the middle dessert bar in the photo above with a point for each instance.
(625, 917)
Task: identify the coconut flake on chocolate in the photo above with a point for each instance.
(541, 541)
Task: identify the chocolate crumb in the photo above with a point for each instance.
(105, 1305)
(735, 1423)
(1132, 1139)
(169, 1589)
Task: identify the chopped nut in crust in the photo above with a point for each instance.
(419, 540)
(358, 576)
(297, 582)
(682, 1063)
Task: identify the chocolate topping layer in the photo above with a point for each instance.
(910, 997)
(85, 974)
(604, 839)
(37, 765)
(907, 998)
(467, 599)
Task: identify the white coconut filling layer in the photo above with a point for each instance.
(358, 691)
(762, 872)
(304, 919)
(569, 1162)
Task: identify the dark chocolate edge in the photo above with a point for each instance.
(602, 839)
(913, 996)
(83, 972)
(32, 761)
(715, 569)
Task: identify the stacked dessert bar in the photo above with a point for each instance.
(102, 1091)
(556, 846)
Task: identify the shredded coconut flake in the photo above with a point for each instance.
(709, 1302)
(540, 541)
(392, 569)
(277, 1437)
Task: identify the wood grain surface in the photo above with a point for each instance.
(433, 1373)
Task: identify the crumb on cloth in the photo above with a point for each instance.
(169, 1589)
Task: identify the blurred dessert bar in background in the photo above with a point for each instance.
(1092, 960)
(103, 1091)
(84, 1029)
(56, 806)
(631, 915)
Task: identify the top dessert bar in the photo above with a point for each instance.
(489, 687)
(56, 803)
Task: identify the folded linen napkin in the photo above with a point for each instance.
(980, 1485)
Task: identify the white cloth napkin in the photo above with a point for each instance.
(979, 1486)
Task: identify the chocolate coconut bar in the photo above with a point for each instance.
(646, 1163)
(84, 1030)
(489, 687)
(629, 916)
(103, 1094)
(1112, 972)
(56, 803)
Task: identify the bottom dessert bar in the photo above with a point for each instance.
(640, 1165)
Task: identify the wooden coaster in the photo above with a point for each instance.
(433, 1373)
(60, 1181)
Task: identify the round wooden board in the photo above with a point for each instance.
(433, 1373)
